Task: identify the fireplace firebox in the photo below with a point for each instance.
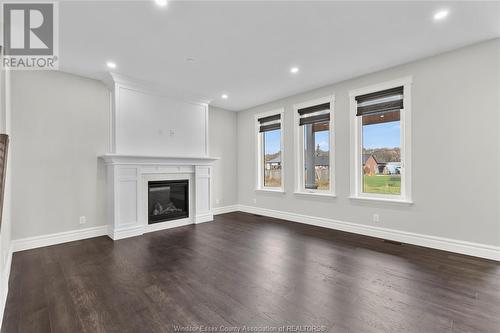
(168, 200)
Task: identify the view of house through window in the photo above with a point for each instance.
(381, 156)
(272, 158)
(317, 155)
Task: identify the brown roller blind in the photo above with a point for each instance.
(270, 123)
(314, 114)
(315, 108)
(380, 101)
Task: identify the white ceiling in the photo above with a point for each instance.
(246, 49)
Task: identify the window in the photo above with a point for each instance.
(270, 152)
(382, 127)
(314, 140)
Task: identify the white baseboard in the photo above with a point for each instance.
(4, 284)
(57, 238)
(225, 209)
(133, 231)
(125, 232)
(440, 243)
(204, 218)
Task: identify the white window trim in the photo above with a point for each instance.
(259, 177)
(299, 151)
(406, 163)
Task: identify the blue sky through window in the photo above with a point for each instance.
(272, 142)
(384, 135)
(322, 138)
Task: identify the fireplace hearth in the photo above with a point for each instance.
(168, 200)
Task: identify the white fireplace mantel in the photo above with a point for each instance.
(122, 159)
(127, 181)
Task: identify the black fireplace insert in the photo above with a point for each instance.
(168, 200)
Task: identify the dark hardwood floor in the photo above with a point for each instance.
(246, 270)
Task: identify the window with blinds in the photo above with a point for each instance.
(381, 151)
(270, 168)
(314, 122)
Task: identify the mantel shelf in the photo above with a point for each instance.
(164, 160)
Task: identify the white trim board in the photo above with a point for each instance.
(5, 275)
(439, 243)
(134, 231)
(225, 209)
(58, 238)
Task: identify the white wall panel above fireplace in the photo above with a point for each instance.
(144, 120)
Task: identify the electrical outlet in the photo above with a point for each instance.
(254, 200)
(83, 219)
(217, 201)
(376, 218)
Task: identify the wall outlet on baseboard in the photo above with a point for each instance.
(83, 219)
(254, 200)
(217, 201)
(376, 218)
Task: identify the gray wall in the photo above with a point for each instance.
(456, 150)
(59, 127)
(223, 143)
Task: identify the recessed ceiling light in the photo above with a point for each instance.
(294, 70)
(111, 64)
(161, 3)
(225, 96)
(440, 15)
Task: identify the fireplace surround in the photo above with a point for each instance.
(128, 182)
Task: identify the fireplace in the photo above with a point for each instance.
(168, 200)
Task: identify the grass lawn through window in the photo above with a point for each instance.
(382, 184)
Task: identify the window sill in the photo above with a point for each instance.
(383, 200)
(270, 190)
(315, 194)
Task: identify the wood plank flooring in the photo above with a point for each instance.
(253, 271)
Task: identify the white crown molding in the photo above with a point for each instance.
(439, 243)
(58, 238)
(113, 80)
